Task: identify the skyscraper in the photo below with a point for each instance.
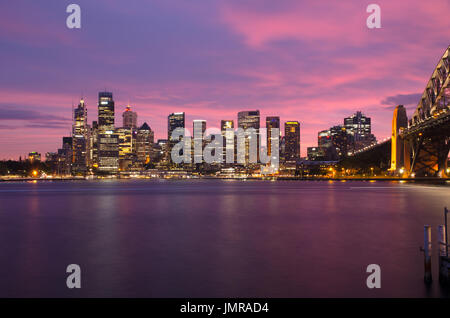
(175, 120)
(359, 130)
(292, 140)
(108, 141)
(144, 143)
(129, 118)
(105, 111)
(198, 131)
(272, 122)
(80, 141)
(248, 120)
(227, 130)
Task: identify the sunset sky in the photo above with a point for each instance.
(311, 61)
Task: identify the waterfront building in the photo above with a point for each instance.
(359, 130)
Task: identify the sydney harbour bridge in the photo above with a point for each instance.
(418, 147)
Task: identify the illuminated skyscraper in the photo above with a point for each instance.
(174, 121)
(227, 130)
(292, 140)
(80, 134)
(198, 130)
(108, 141)
(129, 118)
(248, 120)
(105, 111)
(272, 122)
(359, 131)
(144, 143)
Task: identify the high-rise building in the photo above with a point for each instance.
(359, 131)
(175, 120)
(339, 140)
(272, 123)
(144, 143)
(292, 140)
(129, 118)
(399, 121)
(108, 140)
(198, 131)
(80, 141)
(105, 111)
(248, 120)
(108, 152)
(227, 130)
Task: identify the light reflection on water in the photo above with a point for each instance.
(213, 238)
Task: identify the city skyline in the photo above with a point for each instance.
(213, 68)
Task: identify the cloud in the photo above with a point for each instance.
(408, 100)
(31, 118)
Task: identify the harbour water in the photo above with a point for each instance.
(217, 238)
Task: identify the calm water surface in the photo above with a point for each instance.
(214, 238)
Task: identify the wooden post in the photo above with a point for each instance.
(446, 238)
(427, 253)
(441, 240)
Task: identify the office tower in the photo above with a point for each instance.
(198, 131)
(399, 121)
(125, 141)
(272, 122)
(65, 156)
(339, 140)
(108, 141)
(292, 140)
(175, 120)
(227, 130)
(80, 139)
(144, 143)
(359, 130)
(108, 152)
(93, 145)
(160, 151)
(105, 111)
(248, 120)
(129, 118)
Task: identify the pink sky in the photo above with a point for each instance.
(311, 61)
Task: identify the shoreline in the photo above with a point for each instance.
(422, 179)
